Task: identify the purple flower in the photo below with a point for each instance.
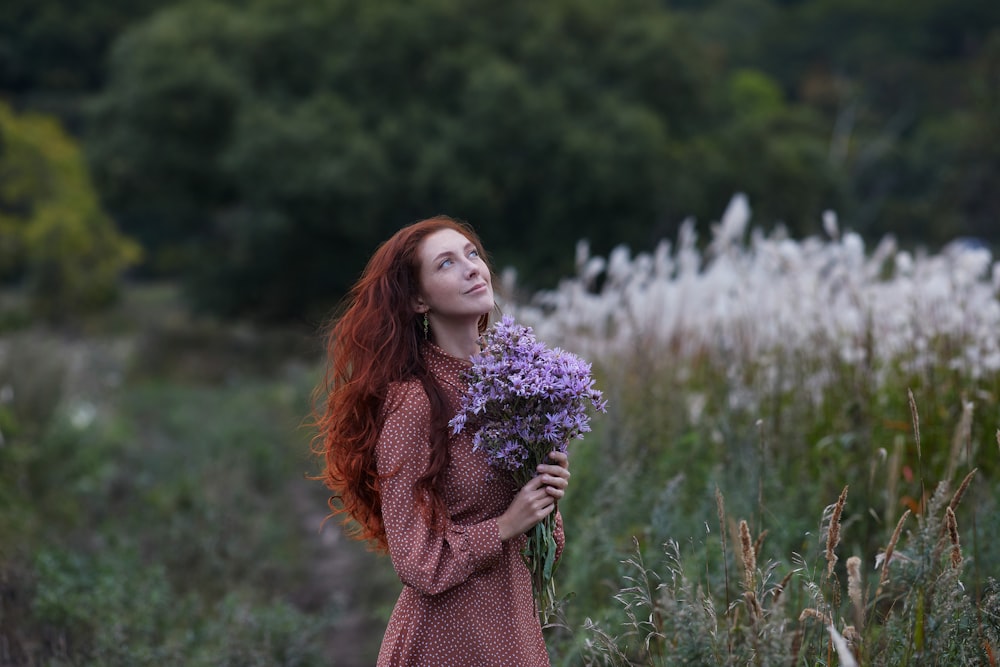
(525, 399)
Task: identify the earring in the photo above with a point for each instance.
(427, 325)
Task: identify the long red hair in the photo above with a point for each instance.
(374, 342)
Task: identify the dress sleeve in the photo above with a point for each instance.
(429, 561)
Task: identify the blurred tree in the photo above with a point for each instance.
(900, 86)
(263, 148)
(260, 148)
(771, 150)
(54, 237)
(52, 52)
(950, 170)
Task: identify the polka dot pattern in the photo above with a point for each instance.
(466, 598)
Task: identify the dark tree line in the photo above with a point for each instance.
(259, 149)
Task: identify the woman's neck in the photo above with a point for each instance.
(460, 342)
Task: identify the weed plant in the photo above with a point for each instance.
(914, 610)
(777, 371)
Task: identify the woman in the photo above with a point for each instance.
(453, 529)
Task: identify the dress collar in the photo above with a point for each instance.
(440, 362)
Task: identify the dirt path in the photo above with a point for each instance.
(353, 579)
(342, 569)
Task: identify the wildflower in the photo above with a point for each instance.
(524, 400)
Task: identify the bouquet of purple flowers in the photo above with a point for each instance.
(525, 400)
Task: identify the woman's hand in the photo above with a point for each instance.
(555, 474)
(536, 499)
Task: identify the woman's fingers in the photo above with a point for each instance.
(537, 498)
(559, 458)
(558, 464)
(555, 475)
(553, 481)
(555, 492)
(558, 468)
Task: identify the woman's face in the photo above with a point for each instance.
(454, 280)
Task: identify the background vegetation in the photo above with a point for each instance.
(186, 188)
(751, 381)
(258, 149)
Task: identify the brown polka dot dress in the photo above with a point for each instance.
(466, 598)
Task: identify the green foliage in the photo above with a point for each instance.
(268, 179)
(159, 515)
(56, 239)
(916, 611)
(883, 76)
(111, 609)
(261, 149)
(672, 438)
(151, 526)
(55, 48)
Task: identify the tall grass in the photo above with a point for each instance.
(914, 610)
(778, 371)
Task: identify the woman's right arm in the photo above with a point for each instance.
(428, 560)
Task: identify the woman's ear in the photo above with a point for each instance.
(419, 305)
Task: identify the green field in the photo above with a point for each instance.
(155, 507)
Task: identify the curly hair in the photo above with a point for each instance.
(376, 341)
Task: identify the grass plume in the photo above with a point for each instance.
(886, 556)
(833, 533)
(951, 524)
(747, 556)
(962, 488)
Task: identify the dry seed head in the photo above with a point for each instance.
(747, 554)
(853, 639)
(810, 612)
(833, 534)
(753, 606)
(757, 544)
(843, 647)
(956, 548)
(780, 588)
(888, 551)
(796, 646)
(915, 416)
(957, 498)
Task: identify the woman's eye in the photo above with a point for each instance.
(473, 253)
(445, 263)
